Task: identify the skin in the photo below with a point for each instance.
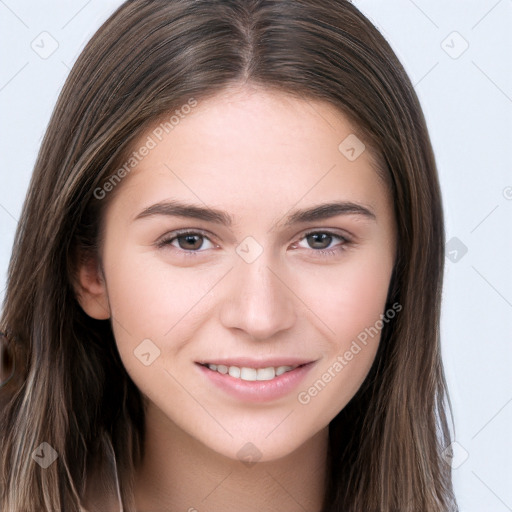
(256, 155)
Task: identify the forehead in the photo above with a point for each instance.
(250, 148)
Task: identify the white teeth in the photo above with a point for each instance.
(251, 374)
(266, 373)
(234, 371)
(220, 368)
(282, 369)
(248, 374)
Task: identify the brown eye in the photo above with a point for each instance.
(319, 240)
(323, 243)
(190, 242)
(187, 241)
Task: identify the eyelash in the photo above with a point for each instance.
(165, 242)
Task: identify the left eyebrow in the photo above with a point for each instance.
(315, 213)
(327, 211)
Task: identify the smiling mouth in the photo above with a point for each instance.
(251, 374)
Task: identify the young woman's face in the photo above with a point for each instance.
(248, 238)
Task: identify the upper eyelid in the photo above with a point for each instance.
(185, 231)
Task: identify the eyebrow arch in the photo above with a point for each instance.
(315, 213)
(179, 209)
(328, 210)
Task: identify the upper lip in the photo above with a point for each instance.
(247, 362)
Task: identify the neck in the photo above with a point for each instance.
(179, 473)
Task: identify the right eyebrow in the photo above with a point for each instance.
(179, 209)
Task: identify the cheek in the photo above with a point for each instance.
(350, 302)
(148, 298)
(351, 296)
(154, 311)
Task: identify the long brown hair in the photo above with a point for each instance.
(69, 387)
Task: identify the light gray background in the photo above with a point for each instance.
(466, 94)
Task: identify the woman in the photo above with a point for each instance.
(225, 287)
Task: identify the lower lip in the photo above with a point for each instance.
(257, 391)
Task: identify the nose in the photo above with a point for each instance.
(258, 300)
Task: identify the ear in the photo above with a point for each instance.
(91, 290)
